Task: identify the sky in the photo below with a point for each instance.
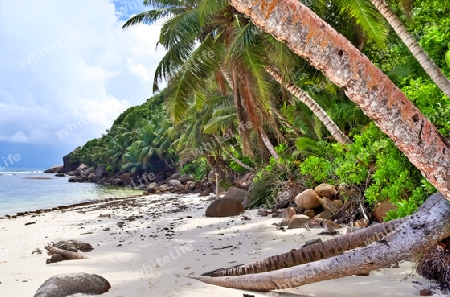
(67, 70)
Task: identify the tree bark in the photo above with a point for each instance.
(310, 37)
(313, 252)
(425, 228)
(304, 97)
(414, 47)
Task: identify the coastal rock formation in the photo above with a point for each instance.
(308, 199)
(68, 164)
(70, 284)
(54, 169)
(224, 207)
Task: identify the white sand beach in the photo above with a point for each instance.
(162, 240)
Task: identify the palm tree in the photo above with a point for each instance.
(414, 47)
(365, 85)
(235, 49)
(381, 100)
(312, 105)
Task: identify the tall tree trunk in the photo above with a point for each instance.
(414, 47)
(313, 39)
(267, 143)
(285, 121)
(420, 231)
(241, 108)
(241, 114)
(304, 97)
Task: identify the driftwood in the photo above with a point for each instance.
(313, 252)
(69, 284)
(67, 255)
(425, 228)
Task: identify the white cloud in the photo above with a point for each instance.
(66, 61)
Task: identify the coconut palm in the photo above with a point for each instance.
(364, 14)
(396, 116)
(232, 45)
(414, 47)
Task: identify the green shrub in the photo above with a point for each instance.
(198, 168)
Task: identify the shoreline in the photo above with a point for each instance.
(151, 245)
(63, 207)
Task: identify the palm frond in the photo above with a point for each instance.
(368, 17)
(151, 16)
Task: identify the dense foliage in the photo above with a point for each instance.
(223, 111)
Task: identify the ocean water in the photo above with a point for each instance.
(24, 190)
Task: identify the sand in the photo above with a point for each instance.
(160, 241)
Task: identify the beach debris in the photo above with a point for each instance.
(426, 292)
(54, 259)
(69, 284)
(74, 245)
(29, 223)
(67, 250)
(312, 241)
(37, 251)
(435, 264)
(67, 255)
(224, 207)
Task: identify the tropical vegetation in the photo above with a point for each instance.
(239, 100)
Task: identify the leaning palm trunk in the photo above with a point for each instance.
(414, 47)
(316, 41)
(425, 228)
(313, 252)
(303, 97)
(230, 155)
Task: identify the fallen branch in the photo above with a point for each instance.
(425, 228)
(313, 252)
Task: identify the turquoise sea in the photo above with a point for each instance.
(25, 189)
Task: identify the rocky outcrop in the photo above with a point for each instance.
(68, 164)
(54, 169)
(224, 207)
(70, 284)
